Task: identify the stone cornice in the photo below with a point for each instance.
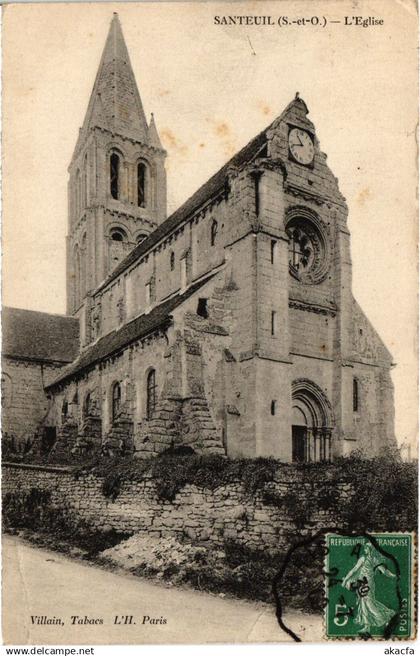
(26, 361)
(259, 165)
(312, 307)
(318, 199)
(80, 146)
(132, 140)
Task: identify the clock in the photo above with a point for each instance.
(301, 146)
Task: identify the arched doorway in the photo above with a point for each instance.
(312, 423)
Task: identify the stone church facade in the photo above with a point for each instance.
(230, 326)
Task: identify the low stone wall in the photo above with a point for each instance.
(198, 514)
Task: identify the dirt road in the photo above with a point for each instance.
(39, 585)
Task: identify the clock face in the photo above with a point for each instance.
(301, 146)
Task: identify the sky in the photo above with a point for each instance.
(211, 89)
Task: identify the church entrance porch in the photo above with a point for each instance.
(312, 423)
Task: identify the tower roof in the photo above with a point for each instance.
(115, 102)
(154, 139)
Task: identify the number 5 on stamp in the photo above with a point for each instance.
(369, 585)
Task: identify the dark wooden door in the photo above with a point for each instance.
(48, 439)
(298, 443)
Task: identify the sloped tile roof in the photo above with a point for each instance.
(118, 339)
(39, 335)
(204, 193)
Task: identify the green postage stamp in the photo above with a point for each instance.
(369, 586)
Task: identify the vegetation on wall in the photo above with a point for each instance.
(376, 495)
(31, 512)
(382, 491)
(382, 494)
(171, 473)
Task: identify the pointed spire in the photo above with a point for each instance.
(115, 47)
(154, 139)
(115, 102)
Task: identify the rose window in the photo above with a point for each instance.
(308, 249)
(301, 250)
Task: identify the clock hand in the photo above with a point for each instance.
(298, 145)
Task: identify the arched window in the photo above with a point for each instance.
(151, 393)
(116, 401)
(118, 240)
(114, 161)
(213, 232)
(356, 400)
(172, 260)
(141, 184)
(87, 405)
(65, 410)
(117, 234)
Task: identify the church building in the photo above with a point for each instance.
(228, 327)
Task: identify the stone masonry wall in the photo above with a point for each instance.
(198, 514)
(25, 403)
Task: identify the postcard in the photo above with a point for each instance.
(209, 324)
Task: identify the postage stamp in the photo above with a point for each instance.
(369, 586)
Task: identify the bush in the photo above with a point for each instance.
(385, 493)
(382, 494)
(33, 511)
(25, 509)
(15, 449)
(111, 487)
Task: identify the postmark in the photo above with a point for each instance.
(369, 586)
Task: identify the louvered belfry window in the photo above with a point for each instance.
(141, 184)
(114, 175)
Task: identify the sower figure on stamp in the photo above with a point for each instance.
(361, 579)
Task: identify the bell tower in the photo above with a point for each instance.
(117, 178)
